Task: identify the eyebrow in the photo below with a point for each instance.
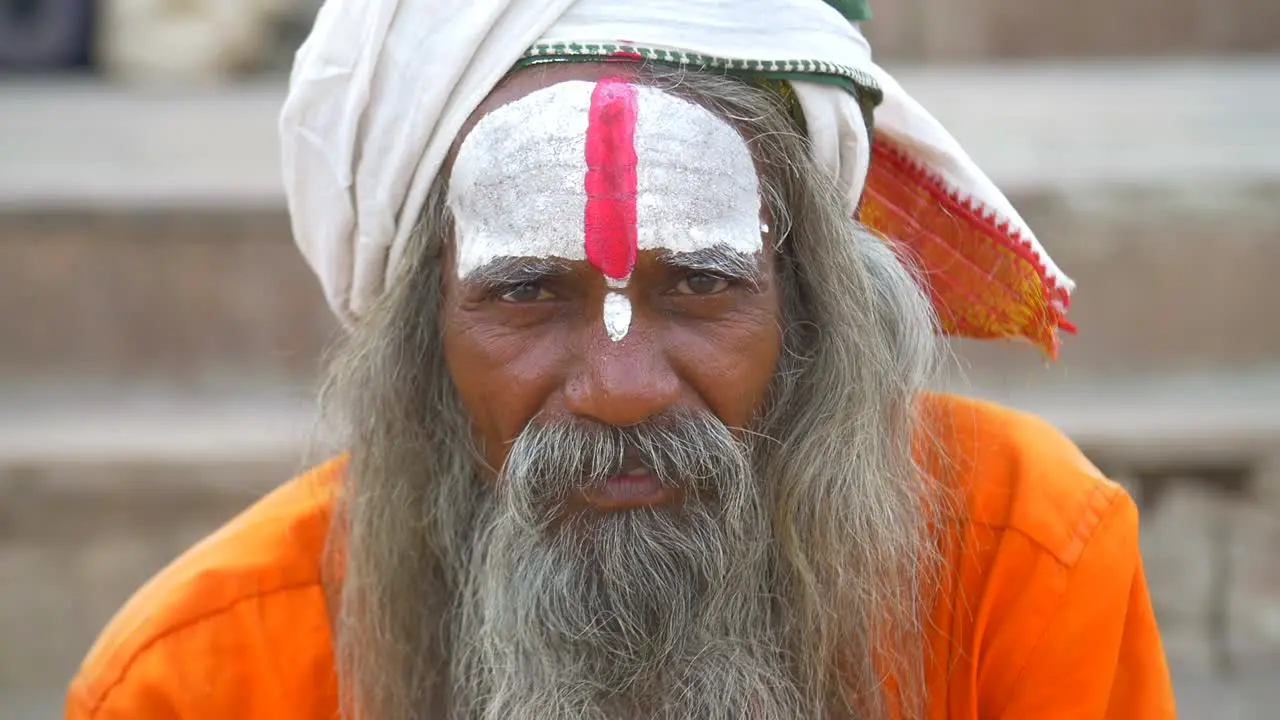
(506, 272)
(722, 261)
(510, 271)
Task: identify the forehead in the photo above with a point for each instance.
(517, 184)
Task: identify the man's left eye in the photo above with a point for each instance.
(702, 284)
(524, 293)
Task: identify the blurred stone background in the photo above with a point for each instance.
(159, 334)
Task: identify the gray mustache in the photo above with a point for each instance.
(690, 450)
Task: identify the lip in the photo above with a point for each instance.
(629, 491)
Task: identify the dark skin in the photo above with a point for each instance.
(697, 340)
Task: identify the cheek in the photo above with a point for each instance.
(731, 362)
(503, 376)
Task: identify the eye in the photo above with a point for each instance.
(524, 293)
(702, 284)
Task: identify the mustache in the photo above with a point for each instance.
(691, 449)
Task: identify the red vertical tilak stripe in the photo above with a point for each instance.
(610, 226)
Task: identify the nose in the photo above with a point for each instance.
(622, 383)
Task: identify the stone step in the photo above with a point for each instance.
(950, 30)
(192, 295)
(99, 488)
(153, 244)
(1043, 125)
(917, 30)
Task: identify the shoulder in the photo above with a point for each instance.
(253, 583)
(1016, 473)
(1042, 574)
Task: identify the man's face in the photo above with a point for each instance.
(611, 263)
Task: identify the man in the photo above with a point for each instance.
(635, 414)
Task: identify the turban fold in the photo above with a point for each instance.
(381, 88)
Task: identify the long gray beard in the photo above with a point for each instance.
(661, 613)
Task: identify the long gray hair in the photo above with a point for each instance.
(852, 560)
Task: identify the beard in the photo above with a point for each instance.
(658, 612)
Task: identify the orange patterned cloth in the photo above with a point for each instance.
(985, 280)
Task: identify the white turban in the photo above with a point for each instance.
(381, 88)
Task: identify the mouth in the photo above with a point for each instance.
(634, 486)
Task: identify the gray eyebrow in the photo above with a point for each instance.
(508, 271)
(718, 260)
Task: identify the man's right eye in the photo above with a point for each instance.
(525, 293)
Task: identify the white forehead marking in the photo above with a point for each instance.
(617, 315)
(517, 185)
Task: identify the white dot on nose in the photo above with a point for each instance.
(617, 315)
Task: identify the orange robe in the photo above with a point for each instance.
(1044, 615)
